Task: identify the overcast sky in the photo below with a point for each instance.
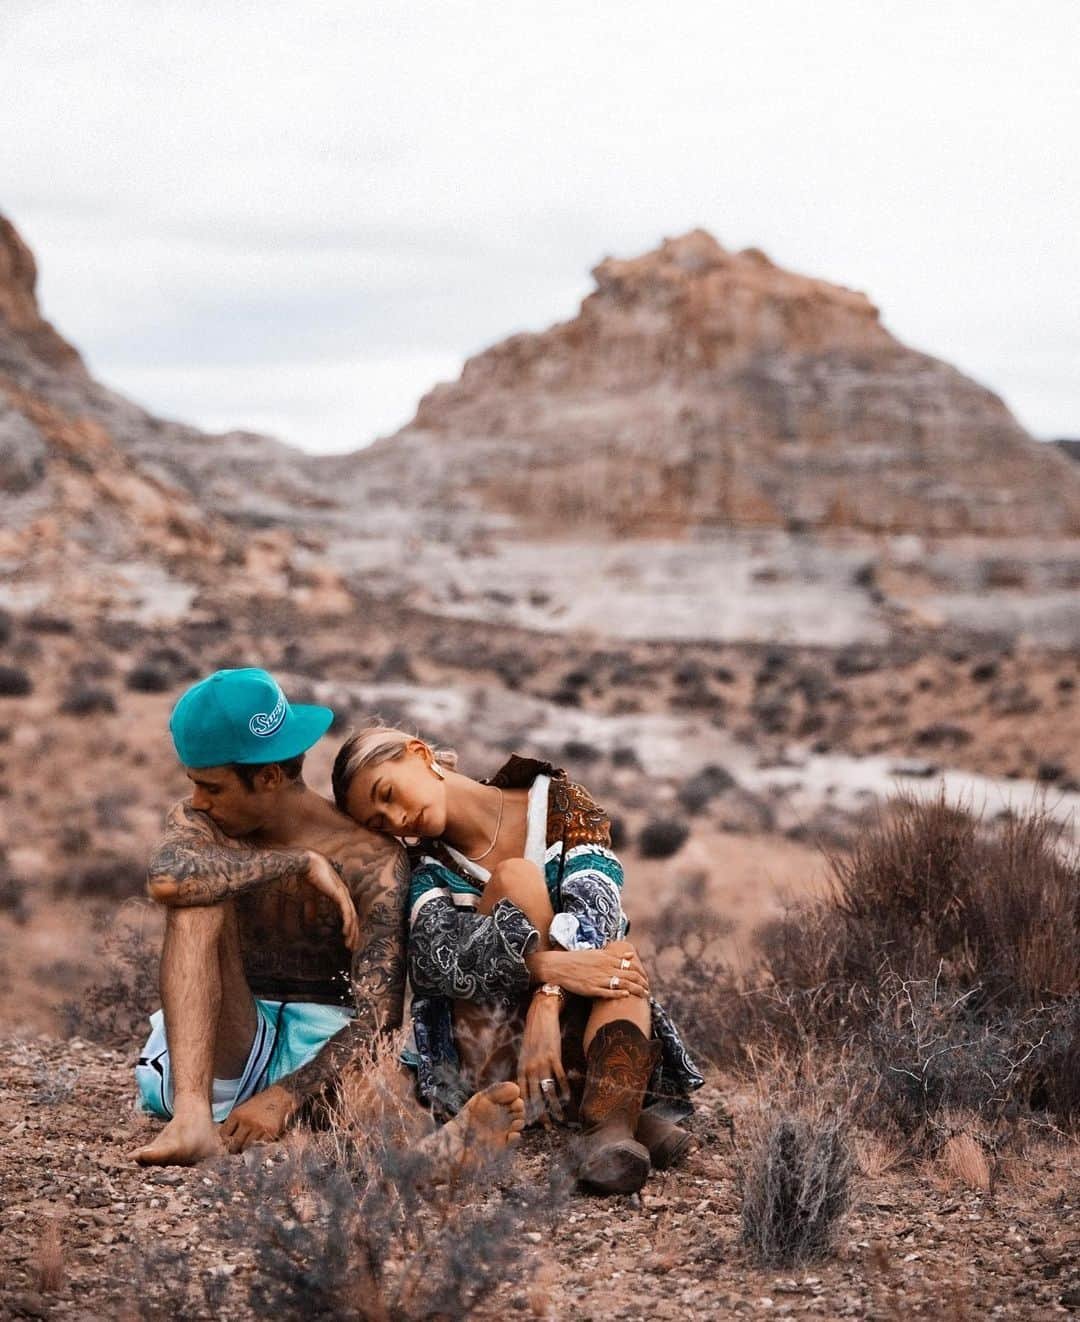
(297, 217)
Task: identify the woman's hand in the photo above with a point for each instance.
(590, 972)
(325, 878)
(540, 1061)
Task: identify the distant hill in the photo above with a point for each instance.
(699, 387)
(698, 395)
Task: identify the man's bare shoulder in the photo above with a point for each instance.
(359, 849)
(366, 859)
(185, 824)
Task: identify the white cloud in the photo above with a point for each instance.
(249, 183)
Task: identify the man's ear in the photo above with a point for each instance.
(269, 777)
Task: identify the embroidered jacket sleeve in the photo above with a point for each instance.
(590, 889)
(456, 952)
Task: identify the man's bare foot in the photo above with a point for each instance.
(490, 1120)
(184, 1141)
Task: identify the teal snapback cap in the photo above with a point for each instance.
(243, 716)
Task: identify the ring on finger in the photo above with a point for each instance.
(624, 963)
(546, 1085)
(614, 981)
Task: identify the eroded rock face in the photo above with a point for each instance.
(104, 507)
(19, 313)
(22, 451)
(702, 388)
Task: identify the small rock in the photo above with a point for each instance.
(29, 1305)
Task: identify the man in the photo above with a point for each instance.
(283, 956)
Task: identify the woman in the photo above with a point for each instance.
(515, 905)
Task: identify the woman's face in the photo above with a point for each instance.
(403, 797)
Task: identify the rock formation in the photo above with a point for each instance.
(103, 506)
(702, 388)
(700, 398)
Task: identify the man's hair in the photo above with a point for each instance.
(247, 771)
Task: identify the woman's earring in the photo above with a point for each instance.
(438, 770)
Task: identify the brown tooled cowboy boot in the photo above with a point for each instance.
(667, 1142)
(620, 1061)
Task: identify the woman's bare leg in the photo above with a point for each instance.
(487, 1036)
(635, 1008)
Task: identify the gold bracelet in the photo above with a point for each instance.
(551, 989)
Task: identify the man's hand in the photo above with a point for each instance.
(323, 876)
(261, 1119)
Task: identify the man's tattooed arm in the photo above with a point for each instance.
(194, 863)
(378, 877)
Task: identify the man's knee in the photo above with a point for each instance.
(199, 922)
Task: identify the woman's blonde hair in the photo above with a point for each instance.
(372, 745)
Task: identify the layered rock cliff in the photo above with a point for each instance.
(699, 387)
(105, 507)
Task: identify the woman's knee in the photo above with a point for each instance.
(517, 879)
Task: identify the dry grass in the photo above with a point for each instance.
(964, 1158)
(876, 1155)
(50, 1258)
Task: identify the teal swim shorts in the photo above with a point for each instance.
(288, 1035)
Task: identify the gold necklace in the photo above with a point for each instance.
(475, 858)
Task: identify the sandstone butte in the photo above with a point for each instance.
(696, 389)
(699, 387)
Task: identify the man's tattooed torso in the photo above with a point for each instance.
(291, 934)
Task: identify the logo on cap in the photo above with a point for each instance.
(265, 723)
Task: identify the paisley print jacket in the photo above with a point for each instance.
(455, 952)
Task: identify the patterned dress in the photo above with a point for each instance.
(456, 952)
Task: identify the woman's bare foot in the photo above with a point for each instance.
(492, 1119)
(185, 1141)
(488, 1123)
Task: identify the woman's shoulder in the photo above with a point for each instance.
(422, 853)
(574, 816)
(518, 773)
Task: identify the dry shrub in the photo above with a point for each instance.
(12, 893)
(947, 958)
(661, 837)
(363, 1218)
(999, 903)
(795, 1190)
(114, 1009)
(105, 877)
(377, 1217)
(697, 988)
(15, 682)
(941, 972)
(876, 1155)
(932, 886)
